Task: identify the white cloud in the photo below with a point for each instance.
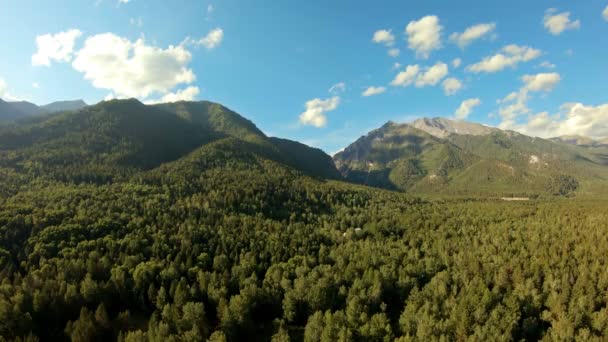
(451, 86)
(432, 75)
(35, 85)
(58, 47)
(212, 40)
(396, 65)
(316, 110)
(371, 91)
(384, 37)
(4, 93)
(541, 82)
(424, 35)
(387, 38)
(456, 62)
(510, 56)
(136, 22)
(210, 9)
(337, 88)
(188, 94)
(547, 64)
(3, 88)
(515, 104)
(471, 34)
(558, 23)
(133, 69)
(605, 13)
(407, 77)
(573, 119)
(466, 107)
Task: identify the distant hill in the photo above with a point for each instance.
(27, 108)
(9, 112)
(119, 138)
(577, 140)
(442, 156)
(16, 110)
(62, 106)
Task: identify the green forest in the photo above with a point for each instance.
(192, 225)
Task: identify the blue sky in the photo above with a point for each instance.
(534, 66)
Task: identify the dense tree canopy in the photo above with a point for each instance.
(227, 243)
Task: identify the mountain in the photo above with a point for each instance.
(8, 112)
(577, 140)
(11, 111)
(442, 127)
(62, 106)
(27, 108)
(442, 156)
(117, 139)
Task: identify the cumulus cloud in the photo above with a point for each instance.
(384, 37)
(55, 47)
(572, 119)
(466, 107)
(132, 69)
(515, 104)
(471, 34)
(510, 56)
(337, 88)
(212, 40)
(387, 38)
(188, 94)
(371, 91)
(432, 75)
(316, 110)
(424, 35)
(541, 82)
(605, 13)
(406, 77)
(456, 62)
(451, 86)
(557, 23)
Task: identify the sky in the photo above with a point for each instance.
(321, 72)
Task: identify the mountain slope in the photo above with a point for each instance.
(442, 127)
(27, 108)
(117, 139)
(9, 112)
(455, 157)
(63, 106)
(576, 140)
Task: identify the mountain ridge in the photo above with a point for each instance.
(443, 156)
(16, 110)
(117, 139)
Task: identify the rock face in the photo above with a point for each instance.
(442, 127)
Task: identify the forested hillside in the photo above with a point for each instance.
(227, 235)
(446, 157)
